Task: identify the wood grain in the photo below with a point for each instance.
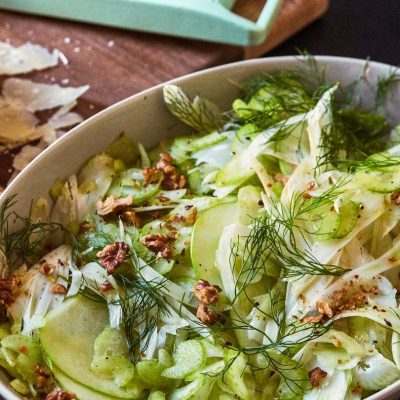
(118, 63)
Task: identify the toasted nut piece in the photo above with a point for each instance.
(316, 375)
(42, 371)
(152, 175)
(113, 204)
(8, 288)
(46, 268)
(105, 286)
(58, 289)
(191, 216)
(205, 292)
(324, 308)
(172, 178)
(314, 319)
(112, 256)
(131, 217)
(159, 244)
(207, 316)
(41, 382)
(395, 197)
(59, 394)
(279, 177)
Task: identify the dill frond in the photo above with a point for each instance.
(201, 114)
(383, 86)
(142, 305)
(273, 98)
(314, 73)
(378, 162)
(30, 240)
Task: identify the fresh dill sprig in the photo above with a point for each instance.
(354, 135)
(201, 114)
(383, 86)
(142, 305)
(30, 240)
(314, 74)
(272, 98)
(378, 162)
(274, 353)
(273, 241)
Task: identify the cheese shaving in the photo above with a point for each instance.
(16, 124)
(26, 58)
(39, 96)
(21, 98)
(25, 156)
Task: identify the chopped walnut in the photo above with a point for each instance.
(58, 289)
(311, 185)
(279, 177)
(152, 175)
(105, 286)
(313, 319)
(85, 226)
(191, 216)
(205, 292)
(42, 371)
(316, 375)
(46, 268)
(207, 316)
(8, 288)
(41, 382)
(159, 244)
(324, 308)
(172, 178)
(395, 197)
(59, 394)
(113, 204)
(112, 256)
(131, 218)
(163, 198)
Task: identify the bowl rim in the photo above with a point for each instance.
(5, 389)
(131, 99)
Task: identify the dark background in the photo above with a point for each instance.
(352, 28)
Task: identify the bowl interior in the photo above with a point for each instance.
(145, 118)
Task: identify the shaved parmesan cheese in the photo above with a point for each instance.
(26, 58)
(21, 98)
(25, 156)
(39, 96)
(65, 120)
(49, 134)
(16, 124)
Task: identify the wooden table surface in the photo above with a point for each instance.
(118, 63)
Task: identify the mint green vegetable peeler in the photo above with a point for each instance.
(210, 20)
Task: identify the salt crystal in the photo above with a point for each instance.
(77, 49)
(65, 81)
(67, 40)
(110, 43)
(62, 57)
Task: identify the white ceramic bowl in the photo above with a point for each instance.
(145, 118)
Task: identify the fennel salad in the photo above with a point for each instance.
(256, 258)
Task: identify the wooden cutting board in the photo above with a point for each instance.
(117, 63)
